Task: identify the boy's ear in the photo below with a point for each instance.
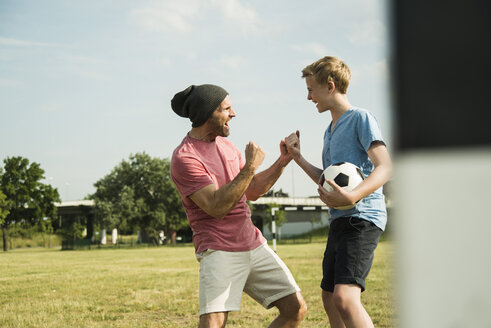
(331, 86)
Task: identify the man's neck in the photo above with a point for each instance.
(201, 134)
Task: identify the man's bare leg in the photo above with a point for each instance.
(213, 320)
(292, 311)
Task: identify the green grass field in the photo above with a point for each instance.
(154, 287)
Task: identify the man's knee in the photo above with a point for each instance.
(297, 311)
(292, 307)
(301, 308)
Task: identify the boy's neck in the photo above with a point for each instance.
(341, 105)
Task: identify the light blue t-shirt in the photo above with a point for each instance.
(349, 141)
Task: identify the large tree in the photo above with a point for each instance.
(27, 199)
(3, 206)
(139, 193)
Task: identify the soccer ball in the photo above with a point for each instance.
(346, 175)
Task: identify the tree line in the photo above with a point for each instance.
(24, 199)
(137, 195)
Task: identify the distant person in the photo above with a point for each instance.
(214, 182)
(352, 136)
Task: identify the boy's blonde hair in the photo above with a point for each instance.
(329, 69)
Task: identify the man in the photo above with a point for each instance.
(214, 183)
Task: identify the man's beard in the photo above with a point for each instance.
(219, 129)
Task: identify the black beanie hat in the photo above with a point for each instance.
(198, 102)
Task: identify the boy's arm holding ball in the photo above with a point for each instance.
(381, 173)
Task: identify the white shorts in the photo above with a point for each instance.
(224, 275)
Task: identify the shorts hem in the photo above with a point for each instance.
(268, 303)
(351, 281)
(347, 281)
(218, 309)
(327, 288)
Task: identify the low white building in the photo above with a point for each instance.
(302, 215)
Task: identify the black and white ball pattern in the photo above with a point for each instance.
(346, 175)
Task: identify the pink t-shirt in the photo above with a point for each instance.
(196, 164)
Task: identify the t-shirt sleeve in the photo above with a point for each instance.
(368, 130)
(189, 174)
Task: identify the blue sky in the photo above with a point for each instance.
(84, 84)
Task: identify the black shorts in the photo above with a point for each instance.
(349, 252)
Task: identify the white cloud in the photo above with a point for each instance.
(237, 13)
(64, 61)
(368, 33)
(184, 15)
(26, 43)
(364, 9)
(312, 48)
(224, 63)
(376, 72)
(87, 67)
(163, 16)
(163, 61)
(88, 73)
(232, 62)
(10, 83)
(51, 108)
(191, 56)
(78, 60)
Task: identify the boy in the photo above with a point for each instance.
(352, 136)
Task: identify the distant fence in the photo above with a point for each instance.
(129, 242)
(295, 239)
(77, 244)
(123, 242)
(34, 240)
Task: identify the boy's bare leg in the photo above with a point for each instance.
(335, 319)
(347, 300)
